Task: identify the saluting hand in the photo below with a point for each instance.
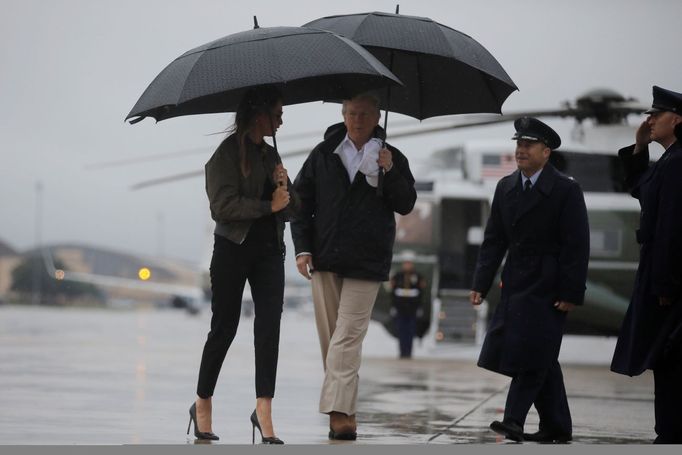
(280, 199)
(642, 136)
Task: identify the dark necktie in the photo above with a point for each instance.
(526, 186)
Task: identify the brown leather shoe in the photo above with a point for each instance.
(342, 426)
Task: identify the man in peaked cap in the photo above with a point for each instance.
(665, 101)
(533, 130)
(651, 334)
(538, 219)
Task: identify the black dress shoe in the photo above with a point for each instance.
(509, 430)
(548, 437)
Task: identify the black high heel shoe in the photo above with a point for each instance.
(256, 424)
(199, 434)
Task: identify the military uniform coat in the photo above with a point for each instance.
(647, 326)
(545, 235)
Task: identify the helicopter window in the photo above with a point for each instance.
(416, 228)
(606, 242)
(450, 158)
(594, 172)
(460, 218)
(612, 235)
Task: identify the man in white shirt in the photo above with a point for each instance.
(343, 236)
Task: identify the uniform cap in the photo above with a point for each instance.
(665, 100)
(532, 129)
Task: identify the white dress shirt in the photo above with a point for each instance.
(363, 160)
(354, 160)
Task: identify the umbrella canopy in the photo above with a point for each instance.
(305, 64)
(443, 71)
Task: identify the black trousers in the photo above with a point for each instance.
(407, 326)
(668, 402)
(544, 389)
(262, 263)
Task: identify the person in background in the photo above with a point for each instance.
(651, 333)
(538, 219)
(250, 199)
(407, 287)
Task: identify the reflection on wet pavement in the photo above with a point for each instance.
(82, 376)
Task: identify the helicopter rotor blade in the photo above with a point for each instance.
(192, 174)
(483, 122)
(147, 158)
(624, 108)
(167, 179)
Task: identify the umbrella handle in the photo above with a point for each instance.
(380, 182)
(274, 144)
(382, 171)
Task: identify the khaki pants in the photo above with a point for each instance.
(343, 307)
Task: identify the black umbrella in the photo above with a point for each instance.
(305, 64)
(443, 71)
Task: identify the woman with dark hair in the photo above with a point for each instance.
(250, 200)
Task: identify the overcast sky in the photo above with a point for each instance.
(72, 70)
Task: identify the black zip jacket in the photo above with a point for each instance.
(346, 227)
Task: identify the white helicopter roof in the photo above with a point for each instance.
(471, 169)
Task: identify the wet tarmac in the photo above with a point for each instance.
(127, 376)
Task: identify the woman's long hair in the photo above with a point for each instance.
(256, 101)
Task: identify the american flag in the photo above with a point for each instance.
(497, 166)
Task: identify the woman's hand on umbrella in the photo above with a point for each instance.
(385, 159)
(280, 175)
(280, 199)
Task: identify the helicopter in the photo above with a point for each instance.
(455, 186)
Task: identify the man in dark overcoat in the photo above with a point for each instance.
(538, 219)
(651, 335)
